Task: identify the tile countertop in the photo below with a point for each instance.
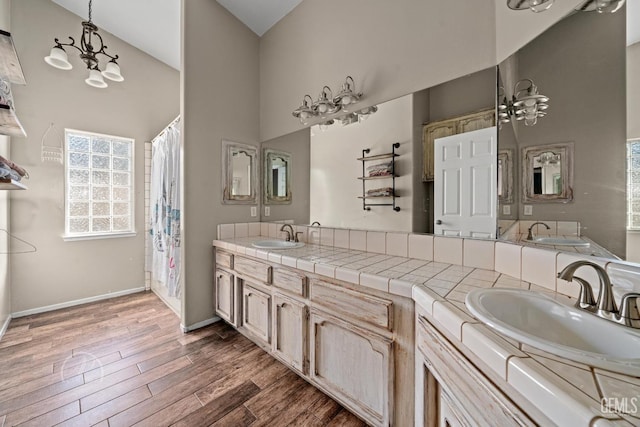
(568, 392)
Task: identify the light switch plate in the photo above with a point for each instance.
(254, 211)
(528, 210)
(267, 210)
(506, 210)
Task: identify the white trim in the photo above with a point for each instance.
(71, 237)
(199, 325)
(5, 326)
(76, 302)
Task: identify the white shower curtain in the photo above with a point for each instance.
(164, 210)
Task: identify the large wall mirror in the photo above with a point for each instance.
(579, 63)
(239, 173)
(572, 160)
(277, 177)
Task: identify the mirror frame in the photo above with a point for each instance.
(228, 148)
(565, 150)
(268, 194)
(506, 156)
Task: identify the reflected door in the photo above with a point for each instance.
(466, 190)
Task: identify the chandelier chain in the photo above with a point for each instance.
(90, 10)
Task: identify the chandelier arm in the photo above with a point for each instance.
(72, 44)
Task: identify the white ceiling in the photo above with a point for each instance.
(259, 15)
(153, 26)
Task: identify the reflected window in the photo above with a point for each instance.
(633, 185)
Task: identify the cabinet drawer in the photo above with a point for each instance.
(255, 269)
(224, 259)
(355, 305)
(291, 281)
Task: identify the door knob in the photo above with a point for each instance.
(438, 222)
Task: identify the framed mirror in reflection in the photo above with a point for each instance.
(277, 177)
(239, 174)
(547, 173)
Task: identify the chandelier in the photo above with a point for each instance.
(526, 104)
(88, 53)
(329, 105)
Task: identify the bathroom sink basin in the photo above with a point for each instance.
(276, 244)
(559, 241)
(544, 323)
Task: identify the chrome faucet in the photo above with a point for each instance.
(530, 235)
(605, 306)
(289, 233)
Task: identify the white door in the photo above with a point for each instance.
(466, 189)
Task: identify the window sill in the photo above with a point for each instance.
(74, 237)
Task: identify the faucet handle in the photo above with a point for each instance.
(296, 238)
(629, 306)
(586, 300)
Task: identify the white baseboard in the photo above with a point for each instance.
(5, 326)
(199, 325)
(76, 302)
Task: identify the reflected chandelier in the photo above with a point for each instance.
(526, 104)
(327, 104)
(601, 6)
(88, 53)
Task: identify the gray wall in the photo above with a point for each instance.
(391, 48)
(296, 144)
(219, 83)
(5, 283)
(580, 64)
(138, 108)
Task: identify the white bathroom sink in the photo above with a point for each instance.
(542, 322)
(276, 244)
(560, 241)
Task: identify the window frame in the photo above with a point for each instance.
(629, 185)
(92, 235)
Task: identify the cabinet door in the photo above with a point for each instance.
(289, 331)
(480, 120)
(256, 312)
(430, 132)
(225, 296)
(449, 415)
(353, 365)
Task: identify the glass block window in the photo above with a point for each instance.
(633, 184)
(99, 185)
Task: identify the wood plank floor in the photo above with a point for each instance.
(124, 361)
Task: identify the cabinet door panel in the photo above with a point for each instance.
(256, 312)
(225, 296)
(353, 365)
(289, 331)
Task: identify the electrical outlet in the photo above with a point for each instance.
(506, 210)
(254, 211)
(528, 210)
(267, 210)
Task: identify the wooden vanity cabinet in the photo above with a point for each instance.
(464, 396)
(356, 345)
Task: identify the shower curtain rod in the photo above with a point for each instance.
(173, 122)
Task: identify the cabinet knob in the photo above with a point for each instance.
(438, 222)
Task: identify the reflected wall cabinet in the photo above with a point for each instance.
(439, 129)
